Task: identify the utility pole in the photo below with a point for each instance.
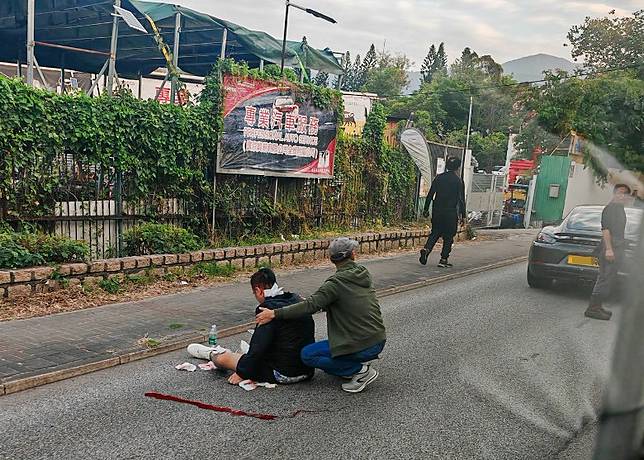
(175, 57)
(288, 3)
(31, 25)
(469, 125)
(113, 45)
(467, 139)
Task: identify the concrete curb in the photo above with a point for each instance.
(452, 276)
(135, 355)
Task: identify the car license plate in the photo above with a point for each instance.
(583, 260)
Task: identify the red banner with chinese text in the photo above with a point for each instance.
(268, 131)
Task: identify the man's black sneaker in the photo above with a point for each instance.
(598, 312)
(424, 254)
(444, 264)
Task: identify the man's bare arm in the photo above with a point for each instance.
(608, 244)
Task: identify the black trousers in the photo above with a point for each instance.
(607, 275)
(444, 225)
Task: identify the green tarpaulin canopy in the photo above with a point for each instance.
(87, 24)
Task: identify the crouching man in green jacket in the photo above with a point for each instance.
(354, 321)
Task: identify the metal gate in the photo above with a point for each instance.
(485, 200)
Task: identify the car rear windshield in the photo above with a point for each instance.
(589, 220)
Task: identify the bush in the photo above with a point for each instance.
(159, 239)
(55, 249)
(14, 255)
(111, 285)
(28, 249)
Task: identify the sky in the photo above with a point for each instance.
(506, 29)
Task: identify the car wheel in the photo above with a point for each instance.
(538, 283)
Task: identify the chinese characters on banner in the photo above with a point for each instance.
(266, 132)
(164, 96)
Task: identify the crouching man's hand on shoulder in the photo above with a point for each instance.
(266, 315)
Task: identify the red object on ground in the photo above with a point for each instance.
(203, 405)
(517, 168)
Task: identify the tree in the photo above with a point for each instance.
(389, 78)
(454, 97)
(435, 62)
(322, 78)
(473, 67)
(490, 67)
(605, 109)
(347, 72)
(358, 79)
(467, 61)
(440, 108)
(489, 150)
(428, 65)
(387, 82)
(441, 58)
(369, 62)
(609, 42)
(374, 127)
(533, 138)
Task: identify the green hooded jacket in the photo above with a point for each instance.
(354, 320)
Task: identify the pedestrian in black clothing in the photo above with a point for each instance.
(610, 252)
(448, 195)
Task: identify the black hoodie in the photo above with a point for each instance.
(278, 344)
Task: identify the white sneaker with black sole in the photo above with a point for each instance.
(199, 351)
(359, 381)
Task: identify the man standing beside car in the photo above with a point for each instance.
(610, 252)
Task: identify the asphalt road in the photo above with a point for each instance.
(479, 367)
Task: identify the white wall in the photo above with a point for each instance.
(583, 189)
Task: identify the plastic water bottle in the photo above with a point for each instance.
(212, 336)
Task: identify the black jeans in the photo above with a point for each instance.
(607, 275)
(444, 225)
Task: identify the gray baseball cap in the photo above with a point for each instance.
(341, 248)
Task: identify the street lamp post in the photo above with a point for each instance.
(317, 14)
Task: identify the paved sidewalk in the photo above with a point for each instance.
(42, 345)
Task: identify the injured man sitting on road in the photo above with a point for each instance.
(274, 353)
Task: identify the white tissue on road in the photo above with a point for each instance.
(249, 385)
(209, 366)
(186, 367)
(244, 347)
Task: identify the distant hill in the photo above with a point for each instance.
(528, 68)
(414, 82)
(531, 68)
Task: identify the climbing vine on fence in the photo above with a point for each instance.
(70, 147)
(45, 139)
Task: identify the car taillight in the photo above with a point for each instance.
(544, 237)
